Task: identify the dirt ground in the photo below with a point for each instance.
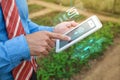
(106, 68)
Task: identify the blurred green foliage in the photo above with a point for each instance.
(109, 6)
(51, 19)
(46, 19)
(60, 2)
(34, 8)
(63, 65)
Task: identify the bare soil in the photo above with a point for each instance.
(105, 68)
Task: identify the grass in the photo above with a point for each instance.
(53, 1)
(96, 5)
(60, 2)
(34, 8)
(46, 19)
(104, 6)
(49, 19)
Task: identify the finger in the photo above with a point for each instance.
(54, 41)
(68, 25)
(48, 48)
(73, 23)
(40, 56)
(45, 53)
(59, 36)
(51, 43)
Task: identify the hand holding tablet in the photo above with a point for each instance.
(78, 33)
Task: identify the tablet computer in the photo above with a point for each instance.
(78, 33)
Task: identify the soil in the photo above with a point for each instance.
(105, 68)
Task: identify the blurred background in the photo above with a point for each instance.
(109, 6)
(43, 8)
(101, 49)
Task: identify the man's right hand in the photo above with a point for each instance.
(41, 43)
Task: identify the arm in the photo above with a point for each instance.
(12, 52)
(45, 40)
(34, 27)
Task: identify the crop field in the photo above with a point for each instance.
(106, 6)
(93, 57)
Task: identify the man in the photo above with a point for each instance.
(20, 41)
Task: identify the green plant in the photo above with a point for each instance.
(46, 19)
(112, 6)
(69, 62)
(34, 8)
(60, 2)
(51, 19)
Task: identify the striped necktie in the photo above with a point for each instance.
(15, 28)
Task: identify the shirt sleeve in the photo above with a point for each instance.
(33, 27)
(12, 53)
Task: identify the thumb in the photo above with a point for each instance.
(59, 36)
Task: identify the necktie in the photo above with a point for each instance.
(14, 28)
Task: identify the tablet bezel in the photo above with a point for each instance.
(98, 26)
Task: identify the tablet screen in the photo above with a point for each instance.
(77, 32)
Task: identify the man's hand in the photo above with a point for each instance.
(41, 43)
(65, 26)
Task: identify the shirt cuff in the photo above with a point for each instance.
(18, 49)
(46, 28)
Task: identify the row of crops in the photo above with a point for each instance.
(105, 7)
(67, 63)
(64, 65)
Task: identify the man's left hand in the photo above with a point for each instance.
(65, 26)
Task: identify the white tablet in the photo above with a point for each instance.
(81, 31)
